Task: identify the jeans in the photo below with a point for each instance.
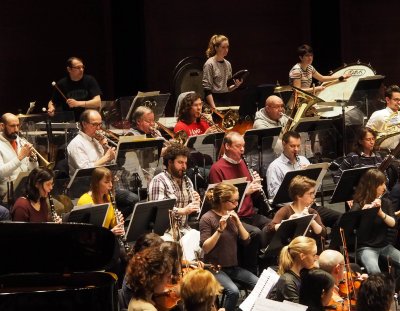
(125, 200)
(227, 276)
(4, 213)
(369, 257)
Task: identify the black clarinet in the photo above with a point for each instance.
(262, 192)
(124, 246)
(52, 208)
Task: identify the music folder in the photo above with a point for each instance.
(347, 183)
(312, 171)
(239, 183)
(153, 100)
(94, 214)
(287, 231)
(151, 216)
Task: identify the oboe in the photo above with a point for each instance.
(121, 239)
(262, 192)
(52, 208)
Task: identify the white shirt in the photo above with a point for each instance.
(380, 120)
(83, 152)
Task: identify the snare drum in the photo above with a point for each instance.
(344, 90)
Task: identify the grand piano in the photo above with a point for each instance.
(47, 266)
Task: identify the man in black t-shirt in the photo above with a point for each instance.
(82, 91)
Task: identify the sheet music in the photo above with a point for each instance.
(324, 168)
(272, 305)
(266, 282)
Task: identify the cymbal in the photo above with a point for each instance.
(283, 88)
(20, 115)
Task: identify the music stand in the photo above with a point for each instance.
(312, 124)
(348, 181)
(239, 183)
(80, 181)
(354, 224)
(201, 143)
(136, 144)
(287, 231)
(153, 100)
(94, 214)
(313, 171)
(151, 216)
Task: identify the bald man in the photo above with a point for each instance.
(271, 115)
(15, 154)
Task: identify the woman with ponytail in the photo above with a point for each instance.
(299, 254)
(220, 229)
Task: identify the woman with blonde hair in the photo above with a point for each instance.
(100, 188)
(302, 192)
(199, 290)
(220, 229)
(216, 72)
(299, 254)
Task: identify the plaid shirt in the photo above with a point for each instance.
(164, 186)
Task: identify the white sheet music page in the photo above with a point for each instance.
(262, 304)
(266, 282)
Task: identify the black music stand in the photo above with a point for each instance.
(348, 181)
(153, 100)
(354, 224)
(203, 143)
(313, 125)
(241, 185)
(94, 214)
(80, 181)
(287, 231)
(151, 216)
(282, 195)
(137, 144)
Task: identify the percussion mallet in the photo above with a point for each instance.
(58, 89)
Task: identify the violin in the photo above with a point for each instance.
(337, 303)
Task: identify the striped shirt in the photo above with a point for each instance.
(304, 75)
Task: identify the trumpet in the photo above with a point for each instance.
(102, 135)
(36, 154)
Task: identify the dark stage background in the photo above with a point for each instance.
(135, 45)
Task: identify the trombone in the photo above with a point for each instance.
(180, 137)
(36, 154)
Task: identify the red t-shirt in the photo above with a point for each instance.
(193, 129)
(223, 170)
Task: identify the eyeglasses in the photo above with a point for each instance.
(395, 99)
(95, 124)
(233, 201)
(78, 67)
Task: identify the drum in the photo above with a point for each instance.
(343, 90)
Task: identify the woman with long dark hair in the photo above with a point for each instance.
(373, 238)
(33, 206)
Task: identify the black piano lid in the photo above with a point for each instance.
(54, 248)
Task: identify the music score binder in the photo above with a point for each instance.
(94, 214)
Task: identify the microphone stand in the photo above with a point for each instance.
(343, 105)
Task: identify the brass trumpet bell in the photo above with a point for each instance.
(181, 137)
(230, 119)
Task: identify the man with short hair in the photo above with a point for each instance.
(143, 122)
(271, 115)
(81, 90)
(231, 166)
(16, 156)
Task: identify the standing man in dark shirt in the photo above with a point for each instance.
(82, 91)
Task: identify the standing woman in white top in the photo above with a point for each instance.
(216, 72)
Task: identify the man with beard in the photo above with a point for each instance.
(171, 183)
(16, 155)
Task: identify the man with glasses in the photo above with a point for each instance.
(387, 120)
(81, 90)
(87, 149)
(271, 115)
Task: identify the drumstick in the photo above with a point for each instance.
(58, 89)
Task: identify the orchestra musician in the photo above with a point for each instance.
(16, 156)
(272, 114)
(302, 73)
(189, 116)
(101, 184)
(81, 91)
(317, 291)
(232, 166)
(374, 241)
(33, 206)
(387, 120)
(216, 72)
(377, 292)
(143, 122)
(199, 290)
(220, 229)
(299, 254)
(289, 161)
(148, 272)
(172, 184)
(302, 192)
